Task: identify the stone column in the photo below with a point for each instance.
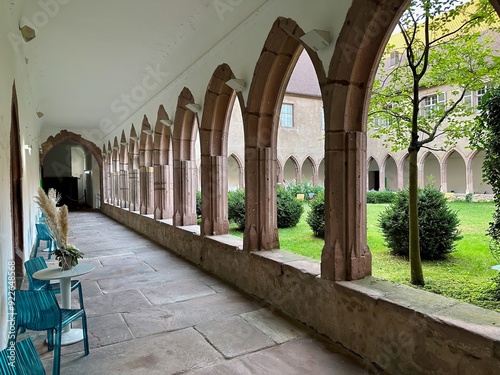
(116, 185)
(133, 190)
(124, 189)
(345, 255)
(469, 176)
(421, 175)
(184, 193)
(150, 182)
(381, 179)
(159, 190)
(261, 229)
(143, 197)
(444, 179)
(168, 193)
(215, 221)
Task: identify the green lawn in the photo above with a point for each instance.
(466, 274)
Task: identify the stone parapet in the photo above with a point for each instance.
(401, 329)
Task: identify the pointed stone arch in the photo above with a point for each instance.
(218, 104)
(374, 181)
(272, 71)
(185, 170)
(430, 166)
(133, 170)
(146, 172)
(123, 173)
(308, 176)
(163, 166)
(291, 170)
(235, 172)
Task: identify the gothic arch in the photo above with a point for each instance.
(272, 71)
(218, 103)
(185, 169)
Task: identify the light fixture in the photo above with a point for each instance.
(116, 148)
(39, 114)
(237, 84)
(316, 39)
(124, 144)
(27, 32)
(103, 154)
(167, 122)
(147, 131)
(28, 148)
(193, 107)
(87, 171)
(134, 138)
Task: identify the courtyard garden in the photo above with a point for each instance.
(465, 274)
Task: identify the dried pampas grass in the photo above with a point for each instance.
(55, 219)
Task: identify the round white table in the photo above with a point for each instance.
(69, 335)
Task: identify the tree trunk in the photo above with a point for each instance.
(417, 275)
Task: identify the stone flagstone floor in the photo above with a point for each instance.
(151, 312)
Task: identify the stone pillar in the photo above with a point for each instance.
(444, 179)
(381, 179)
(261, 228)
(421, 175)
(345, 255)
(469, 176)
(214, 190)
(124, 189)
(132, 177)
(116, 188)
(159, 190)
(400, 167)
(104, 172)
(143, 196)
(168, 193)
(150, 182)
(184, 192)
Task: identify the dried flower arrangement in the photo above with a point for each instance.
(57, 222)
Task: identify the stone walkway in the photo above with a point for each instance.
(151, 312)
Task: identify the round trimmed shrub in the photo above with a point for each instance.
(289, 208)
(438, 224)
(316, 215)
(236, 207)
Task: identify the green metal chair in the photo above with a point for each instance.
(43, 234)
(35, 264)
(39, 311)
(22, 359)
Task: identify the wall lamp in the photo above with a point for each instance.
(124, 144)
(167, 122)
(237, 84)
(27, 32)
(316, 39)
(134, 138)
(193, 107)
(147, 131)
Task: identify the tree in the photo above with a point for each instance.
(442, 46)
(486, 136)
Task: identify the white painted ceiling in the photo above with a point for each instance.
(91, 62)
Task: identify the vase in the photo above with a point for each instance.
(67, 262)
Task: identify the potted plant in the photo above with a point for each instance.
(57, 222)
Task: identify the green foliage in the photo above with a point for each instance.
(289, 208)
(486, 136)
(305, 188)
(236, 207)
(457, 53)
(438, 224)
(468, 197)
(379, 197)
(198, 203)
(316, 215)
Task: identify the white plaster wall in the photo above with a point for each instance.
(13, 69)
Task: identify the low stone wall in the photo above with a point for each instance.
(402, 329)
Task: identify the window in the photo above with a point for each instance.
(380, 123)
(479, 94)
(394, 59)
(286, 115)
(467, 100)
(433, 103)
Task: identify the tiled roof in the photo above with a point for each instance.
(303, 80)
